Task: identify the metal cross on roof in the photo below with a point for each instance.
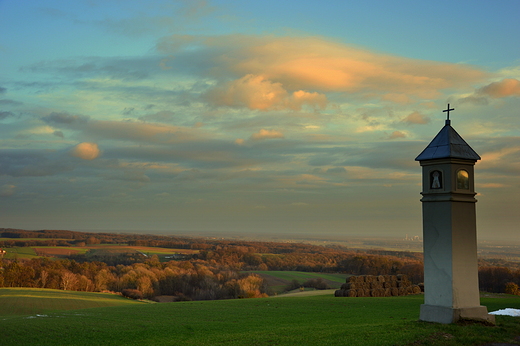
(448, 110)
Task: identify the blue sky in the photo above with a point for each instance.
(254, 117)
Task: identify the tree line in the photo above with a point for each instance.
(187, 280)
(220, 270)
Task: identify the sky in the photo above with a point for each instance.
(252, 117)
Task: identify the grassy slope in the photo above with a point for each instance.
(32, 301)
(314, 320)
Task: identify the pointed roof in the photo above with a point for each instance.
(448, 144)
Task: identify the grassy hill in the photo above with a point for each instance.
(308, 320)
(32, 301)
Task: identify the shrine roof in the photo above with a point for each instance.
(448, 144)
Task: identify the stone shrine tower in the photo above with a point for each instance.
(451, 289)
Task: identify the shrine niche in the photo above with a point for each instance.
(463, 180)
(436, 180)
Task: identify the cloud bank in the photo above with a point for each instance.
(269, 67)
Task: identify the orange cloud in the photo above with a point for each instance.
(7, 190)
(491, 186)
(300, 97)
(256, 92)
(308, 179)
(252, 91)
(501, 157)
(504, 88)
(416, 118)
(266, 134)
(85, 151)
(317, 64)
(397, 134)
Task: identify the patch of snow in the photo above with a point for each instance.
(507, 312)
(37, 315)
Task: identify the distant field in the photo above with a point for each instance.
(311, 320)
(23, 239)
(63, 251)
(278, 280)
(162, 251)
(43, 251)
(30, 301)
(20, 252)
(57, 251)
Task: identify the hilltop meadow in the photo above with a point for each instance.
(28, 317)
(74, 288)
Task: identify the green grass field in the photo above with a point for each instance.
(32, 301)
(20, 252)
(99, 249)
(311, 320)
(24, 239)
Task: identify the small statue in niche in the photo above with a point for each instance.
(436, 180)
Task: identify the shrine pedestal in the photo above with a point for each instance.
(442, 314)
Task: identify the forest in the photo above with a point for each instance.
(219, 269)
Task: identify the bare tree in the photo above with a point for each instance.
(43, 278)
(68, 280)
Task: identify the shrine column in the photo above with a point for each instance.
(451, 289)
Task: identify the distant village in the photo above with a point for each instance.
(412, 238)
